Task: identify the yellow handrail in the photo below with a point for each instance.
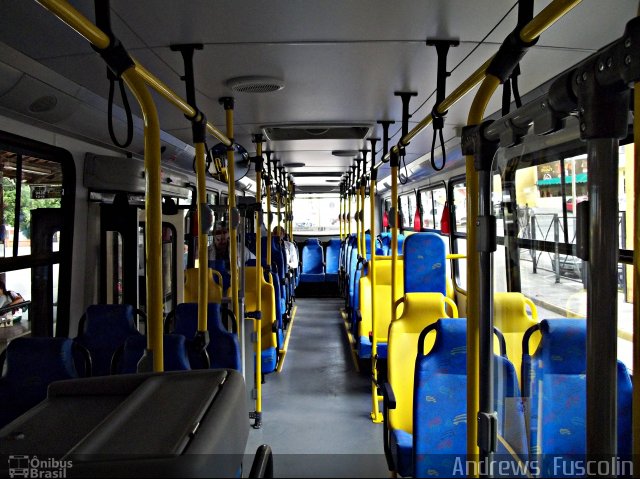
(532, 30)
(375, 411)
(153, 215)
(456, 95)
(636, 283)
(394, 237)
(203, 253)
(453, 305)
(77, 21)
(547, 17)
(83, 26)
(257, 324)
(233, 228)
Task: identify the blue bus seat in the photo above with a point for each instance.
(401, 239)
(102, 330)
(385, 243)
(312, 262)
(219, 266)
(555, 379)
(30, 365)
(425, 270)
(347, 264)
(223, 349)
(332, 262)
(174, 351)
(419, 310)
(440, 403)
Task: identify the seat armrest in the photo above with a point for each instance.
(389, 396)
(389, 402)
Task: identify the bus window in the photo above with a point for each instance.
(459, 231)
(499, 257)
(406, 212)
(550, 272)
(36, 202)
(28, 183)
(433, 202)
(319, 215)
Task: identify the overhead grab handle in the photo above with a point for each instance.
(406, 97)
(199, 133)
(442, 49)
(117, 60)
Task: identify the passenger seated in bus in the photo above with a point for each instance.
(219, 249)
(8, 298)
(290, 248)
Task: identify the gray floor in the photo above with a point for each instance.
(316, 411)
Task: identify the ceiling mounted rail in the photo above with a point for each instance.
(85, 28)
(528, 34)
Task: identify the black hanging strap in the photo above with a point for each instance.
(127, 109)
(438, 125)
(511, 84)
(117, 61)
(442, 49)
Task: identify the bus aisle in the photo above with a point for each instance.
(315, 411)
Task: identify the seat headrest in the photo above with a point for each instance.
(106, 319)
(510, 312)
(312, 241)
(450, 346)
(563, 346)
(424, 263)
(186, 318)
(51, 357)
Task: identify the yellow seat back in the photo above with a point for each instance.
(382, 295)
(420, 310)
(268, 303)
(510, 316)
(364, 326)
(191, 286)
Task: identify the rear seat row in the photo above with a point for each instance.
(108, 343)
(316, 267)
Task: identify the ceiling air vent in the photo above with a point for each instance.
(316, 132)
(255, 84)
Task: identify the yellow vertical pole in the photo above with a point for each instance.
(257, 323)
(476, 113)
(393, 220)
(635, 413)
(358, 239)
(268, 191)
(340, 218)
(203, 259)
(228, 104)
(153, 215)
(290, 211)
(278, 200)
(375, 412)
(348, 218)
(362, 229)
